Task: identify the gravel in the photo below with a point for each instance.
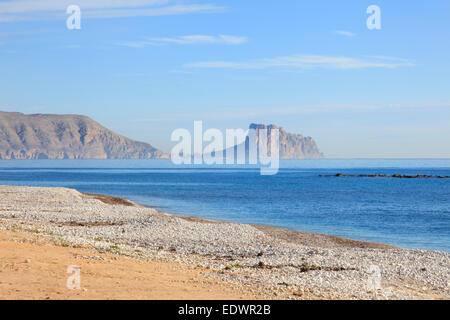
(230, 251)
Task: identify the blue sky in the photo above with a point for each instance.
(146, 67)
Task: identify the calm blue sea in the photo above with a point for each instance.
(410, 213)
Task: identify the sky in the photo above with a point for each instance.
(144, 68)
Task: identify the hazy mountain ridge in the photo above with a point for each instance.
(47, 136)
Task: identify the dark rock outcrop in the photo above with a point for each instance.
(398, 176)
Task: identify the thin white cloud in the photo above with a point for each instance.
(303, 62)
(27, 6)
(23, 10)
(345, 33)
(187, 40)
(430, 104)
(257, 112)
(163, 11)
(388, 58)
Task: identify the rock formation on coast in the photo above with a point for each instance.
(48, 136)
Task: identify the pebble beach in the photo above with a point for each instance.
(270, 262)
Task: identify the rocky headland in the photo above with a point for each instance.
(47, 136)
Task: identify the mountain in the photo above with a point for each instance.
(292, 146)
(47, 136)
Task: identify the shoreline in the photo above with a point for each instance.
(294, 236)
(300, 237)
(270, 262)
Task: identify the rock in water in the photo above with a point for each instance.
(47, 136)
(292, 146)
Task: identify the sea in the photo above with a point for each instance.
(408, 213)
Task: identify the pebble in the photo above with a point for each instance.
(230, 251)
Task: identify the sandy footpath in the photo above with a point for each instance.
(128, 251)
(32, 267)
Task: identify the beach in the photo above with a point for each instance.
(148, 254)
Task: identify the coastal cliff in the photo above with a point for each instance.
(47, 136)
(292, 146)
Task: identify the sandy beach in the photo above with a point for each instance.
(127, 251)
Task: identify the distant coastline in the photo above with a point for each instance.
(397, 176)
(51, 136)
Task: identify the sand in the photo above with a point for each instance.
(32, 267)
(129, 251)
